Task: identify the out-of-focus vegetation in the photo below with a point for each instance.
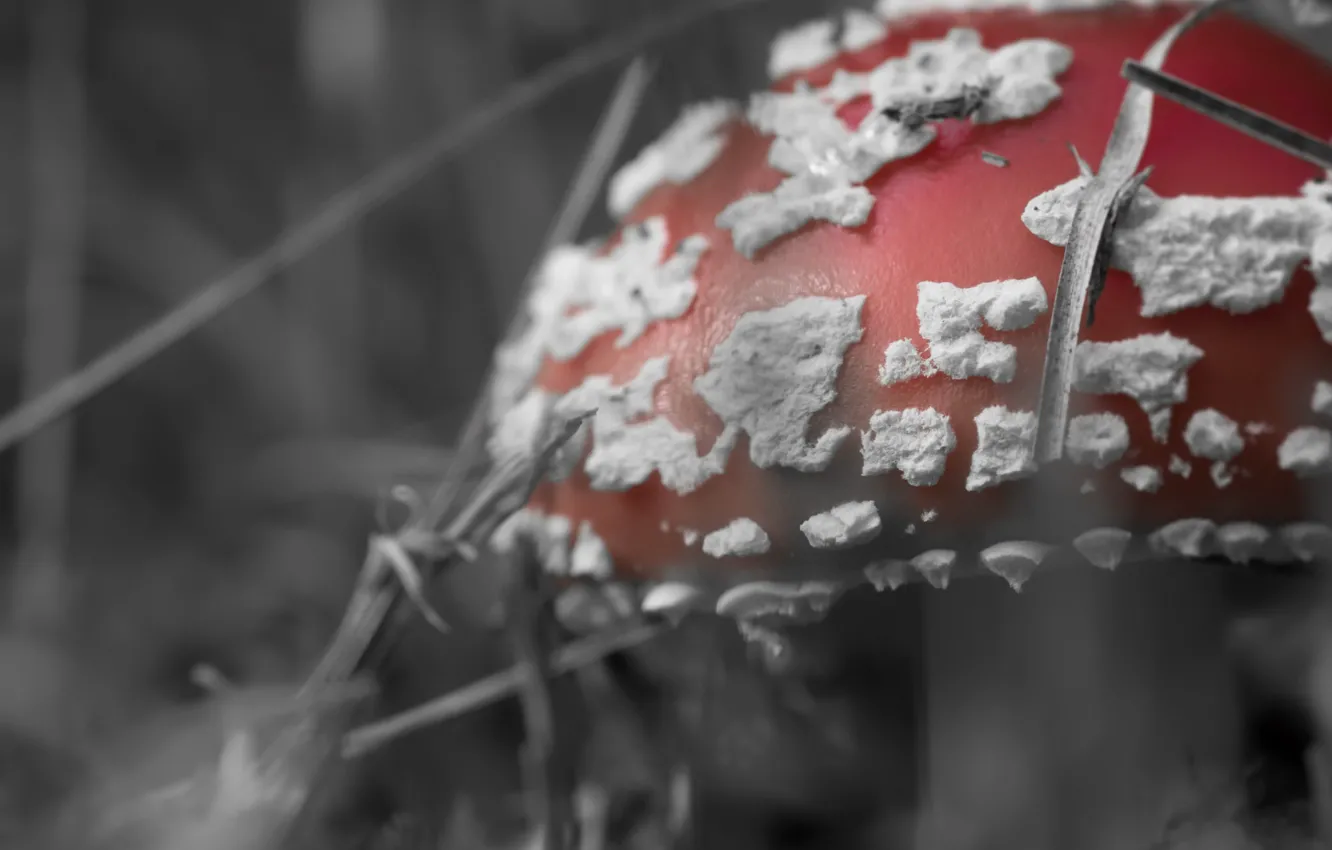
(212, 507)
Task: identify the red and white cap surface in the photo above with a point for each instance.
(816, 341)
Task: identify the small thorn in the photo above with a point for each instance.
(1084, 170)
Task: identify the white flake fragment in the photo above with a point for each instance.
(1087, 487)
(1188, 251)
(915, 442)
(1005, 447)
(1212, 435)
(888, 574)
(740, 538)
(590, 557)
(689, 536)
(775, 371)
(759, 218)
(800, 48)
(1306, 452)
(579, 295)
(1015, 561)
(669, 599)
(1241, 542)
(902, 362)
(683, 152)
(861, 29)
(800, 602)
(810, 138)
(548, 535)
(929, 515)
(626, 290)
(1103, 547)
(1192, 538)
(1320, 299)
(1097, 439)
(951, 317)
(936, 566)
(1322, 398)
(1152, 369)
(848, 524)
(1257, 429)
(894, 10)
(827, 161)
(629, 442)
(1018, 78)
(1144, 479)
(1308, 541)
(1179, 466)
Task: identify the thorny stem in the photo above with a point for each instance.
(1081, 273)
(500, 494)
(548, 772)
(344, 209)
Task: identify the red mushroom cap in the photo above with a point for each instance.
(817, 346)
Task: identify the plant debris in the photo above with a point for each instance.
(994, 159)
(965, 104)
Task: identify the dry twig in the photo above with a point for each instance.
(1248, 121)
(493, 688)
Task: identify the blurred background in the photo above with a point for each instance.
(212, 507)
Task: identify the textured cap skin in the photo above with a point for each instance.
(946, 214)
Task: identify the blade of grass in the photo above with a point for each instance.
(374, 602)
(346, 207)
(591, 175)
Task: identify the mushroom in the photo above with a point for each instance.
(824, 318)
(814, 346)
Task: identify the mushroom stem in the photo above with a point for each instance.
(548, 766)
(1087, 712)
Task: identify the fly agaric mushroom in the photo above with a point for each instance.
(814, 348)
